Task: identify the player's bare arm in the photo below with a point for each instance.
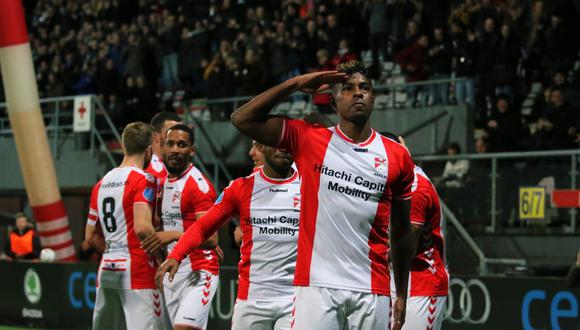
(401, 254)
(253, 118)
(143, 215)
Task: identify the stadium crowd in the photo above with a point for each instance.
(127, 51)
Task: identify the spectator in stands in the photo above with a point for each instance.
(570, 92)
(169, 34)
(504, 126)
(410, 35)
(322, 100)
(375, 12)
(22, 242)
(439, 64)
(556, 129)
(343, 54)
(455, 171)
(413, 61)
(507, 55)
(314, 38)
(335, 33)
(465, 50)
(108, 79)
(481, 145)
(253, 76)
(487, 46)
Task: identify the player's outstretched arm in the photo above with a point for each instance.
(253, 118)
(401, 253)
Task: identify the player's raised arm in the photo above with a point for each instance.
(253, 118)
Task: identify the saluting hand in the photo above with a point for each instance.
(317, 82)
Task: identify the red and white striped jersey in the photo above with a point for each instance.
(429, 275)
(157, 168)
(347, 190)
(183, 198)
(124, 265)
(269, 212)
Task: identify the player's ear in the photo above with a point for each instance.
(193, 149)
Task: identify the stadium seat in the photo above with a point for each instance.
(282, 108)
(297, 109)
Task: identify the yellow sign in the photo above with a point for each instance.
(532, 203)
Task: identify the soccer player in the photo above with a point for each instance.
(187, 195)
(429, 278)
(122, 202)
(268, 205)
(160, 123)
(353, 181)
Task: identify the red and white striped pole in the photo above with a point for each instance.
(30, 134)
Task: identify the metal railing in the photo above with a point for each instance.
(483, 261)
(560, 165)
(58, 115)
(390, 95)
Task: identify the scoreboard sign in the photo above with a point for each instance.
(532, 203)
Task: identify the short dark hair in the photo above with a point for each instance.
(455, 146)
(184, 128)
(160, 118)
(20, 215)
(353, 67)
(137, 138)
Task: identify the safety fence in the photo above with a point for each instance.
(502, 191)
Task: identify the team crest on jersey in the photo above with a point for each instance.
(149, 194)
(176, 196)
(297, 201)
(379, 161)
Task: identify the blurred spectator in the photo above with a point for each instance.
(22, 242)
(439, 64)
(253, 75)
(570, 92)
(455, 171)
(503, 126)
(487, 45)
(465, 49)
(375, 12)
(343, 54)
(413, 61)
(506, 60)
(409, 36)
(558, 126)
(481, 145)
(169, 37)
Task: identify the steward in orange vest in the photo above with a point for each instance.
(22, 242)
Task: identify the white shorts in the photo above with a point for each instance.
(188, 298)
(129, 309)
(262, 315)
(425, 312)
(332, 309)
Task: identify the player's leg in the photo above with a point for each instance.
(173, 291)
(425, 312)
(320, 307)
(193, 311)
(367, 311)
(143, 309)
(284, 317)
(108, 312)
(251, 314)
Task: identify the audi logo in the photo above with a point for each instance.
(465, 312)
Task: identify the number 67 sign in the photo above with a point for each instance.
(532, 203)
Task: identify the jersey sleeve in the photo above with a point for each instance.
(202, 195)
(144, 190)
(420, 205)
(223, 210)
(293, 132)
(93, 216)
(402, 186)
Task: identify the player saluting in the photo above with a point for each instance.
(121, 202)
(353, 181)
(268, 205)
(429, 278)
(187, 195)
